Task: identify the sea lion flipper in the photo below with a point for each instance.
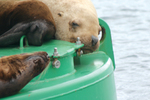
(40, 30)
(37, 31)
(14, 34)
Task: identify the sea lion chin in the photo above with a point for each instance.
(17, 70)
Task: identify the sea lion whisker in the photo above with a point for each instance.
(43, 73)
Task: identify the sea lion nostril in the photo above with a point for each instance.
(94, 40)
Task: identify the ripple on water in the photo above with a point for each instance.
(129, 21)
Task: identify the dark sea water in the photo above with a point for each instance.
(129, 21)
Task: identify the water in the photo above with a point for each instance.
(129, 21)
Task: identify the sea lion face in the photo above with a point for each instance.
(74, 19)
(86, 29)
(37, 63)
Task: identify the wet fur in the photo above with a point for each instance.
(17, 70)
(31, 17)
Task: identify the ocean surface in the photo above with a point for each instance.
(129, 21)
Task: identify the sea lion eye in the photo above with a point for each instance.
(74, 24)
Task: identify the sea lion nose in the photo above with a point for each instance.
(94, 40)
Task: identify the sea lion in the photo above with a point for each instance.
(73, 18)
(76, 18)
(30, 17)
(17, 70)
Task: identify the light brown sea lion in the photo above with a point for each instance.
(76, 18)
(73, 18)
(17, 70)
(30, 17)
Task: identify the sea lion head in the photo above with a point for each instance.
(12, 67)
(86, 27)
(37, 62)
(76, 18)
(17, 70)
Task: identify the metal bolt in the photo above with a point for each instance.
(56, 63)
(55, 52)
(78, 42)
(78, 38)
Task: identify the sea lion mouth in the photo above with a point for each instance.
(88, 47)
(87, 50)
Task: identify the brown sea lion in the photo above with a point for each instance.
(30, 17)
(17, 70)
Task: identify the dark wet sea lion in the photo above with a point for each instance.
(17, 70)
(30, 17)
